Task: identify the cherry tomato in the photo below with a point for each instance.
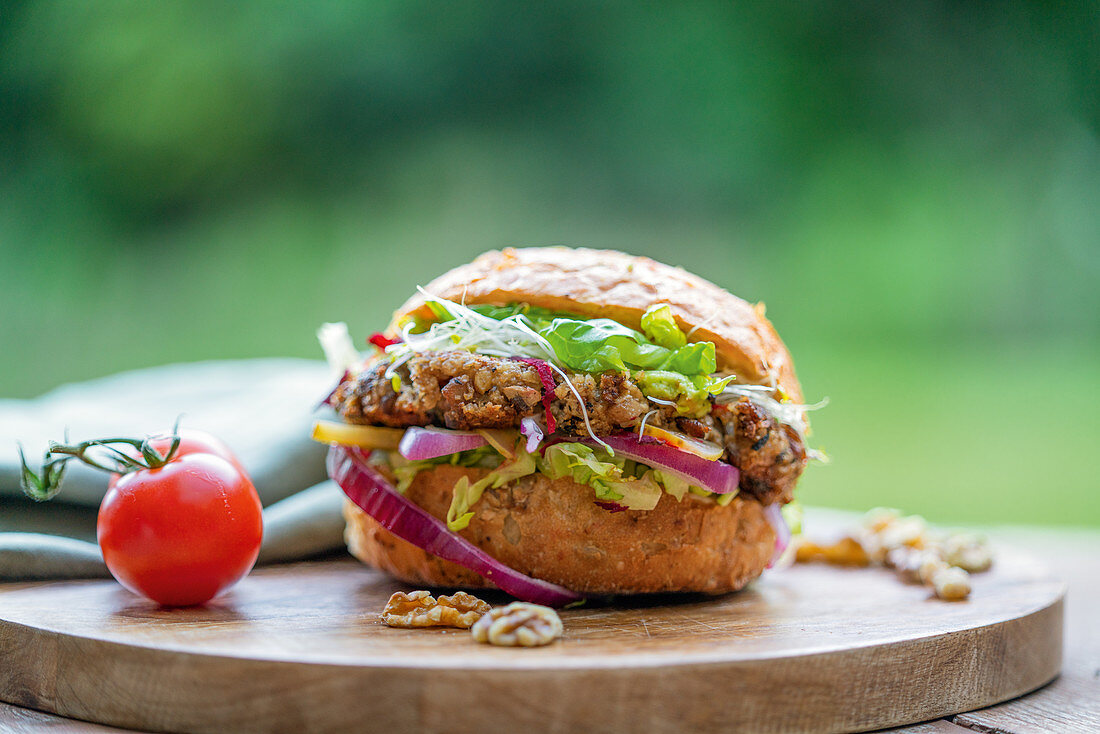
(182, 533)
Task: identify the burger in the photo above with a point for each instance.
(562, 423)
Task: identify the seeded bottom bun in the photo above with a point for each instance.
(552, 530)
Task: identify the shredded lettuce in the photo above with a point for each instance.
(725, 499)
(674, 485)
(466, 495)
(641, 493)
(579, 463)
(405, 470)
(612, 479)
(615, 479)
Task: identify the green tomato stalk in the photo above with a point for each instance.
(98, 453)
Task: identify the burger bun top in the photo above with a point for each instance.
(614, 285)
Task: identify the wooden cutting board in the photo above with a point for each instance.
(299, 648)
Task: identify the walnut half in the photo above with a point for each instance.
(951, 583)
(519, 624)
(421, 609)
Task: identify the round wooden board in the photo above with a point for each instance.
(300, 648)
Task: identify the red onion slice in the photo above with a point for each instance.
(714, 476)
(368, 489)
(774, 515)
(428, 443)
(530, 427)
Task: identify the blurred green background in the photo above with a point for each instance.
(913, 188)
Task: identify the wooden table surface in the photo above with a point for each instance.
(1069, 704)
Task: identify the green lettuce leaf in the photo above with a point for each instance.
(725, 499)
(661, 328)
(580, 463)
(642, 493)
(674, 485)
(459, 514)
(602, 345)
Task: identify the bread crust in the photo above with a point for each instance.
(552, 530)
(611, 284)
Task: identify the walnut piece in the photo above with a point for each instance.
(906, 562)
(519, 624)
(916, 566)
(967, 551)
(421, 609)
(931, 564)
(951, 583)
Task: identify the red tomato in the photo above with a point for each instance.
(184, 532)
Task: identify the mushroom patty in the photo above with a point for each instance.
(464, 391)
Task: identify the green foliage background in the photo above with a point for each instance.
(913, 188)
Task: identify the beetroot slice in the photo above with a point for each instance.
(547, 377)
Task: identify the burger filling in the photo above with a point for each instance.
(465, 391)
(489, 367)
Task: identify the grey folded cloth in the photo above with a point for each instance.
(260, 408)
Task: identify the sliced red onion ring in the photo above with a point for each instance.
(714, 476)
(774, 515)
(368, 489)
(547, 377)
(428, 443)
(530, 427)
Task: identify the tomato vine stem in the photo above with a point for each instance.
(103, 454)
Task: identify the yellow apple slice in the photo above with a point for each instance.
(705, 449)
(367, 437)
